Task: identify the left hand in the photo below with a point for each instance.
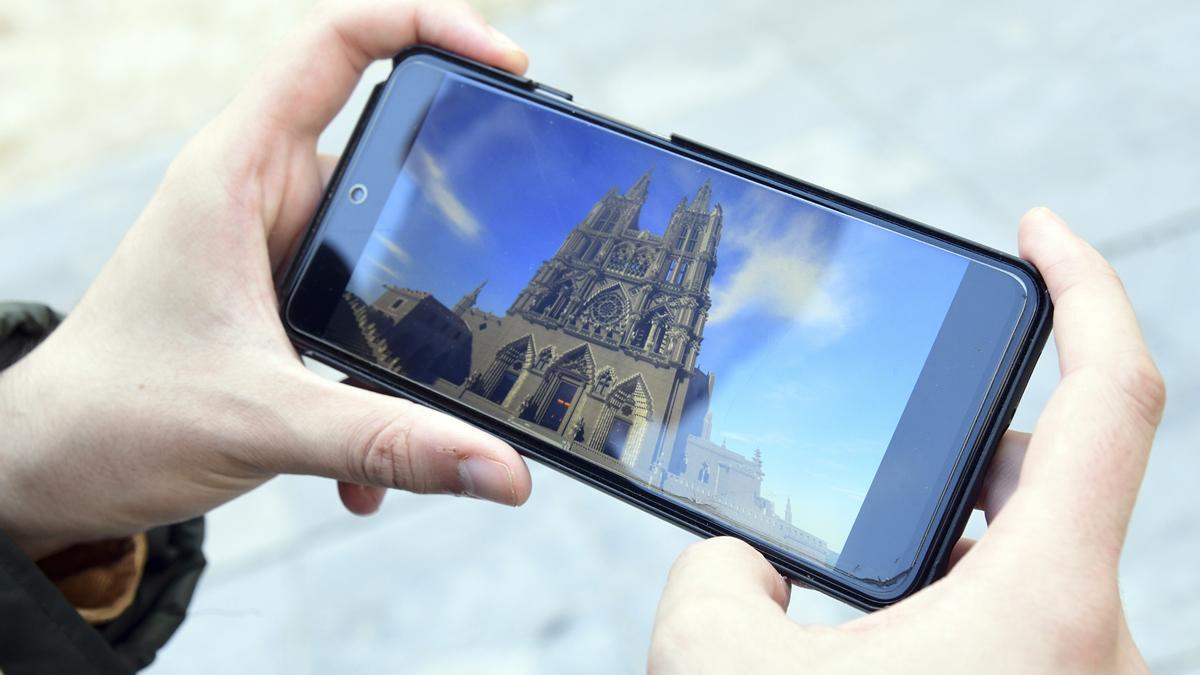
(172, 387)
(1038, 593)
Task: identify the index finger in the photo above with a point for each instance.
(309, 79)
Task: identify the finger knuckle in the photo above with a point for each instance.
(386, 458)
(1143, 384)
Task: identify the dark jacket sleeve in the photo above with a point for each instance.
(22, 327)
(40, 632)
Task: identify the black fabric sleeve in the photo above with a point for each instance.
(174, 564)
(22, 326)
(42, 631)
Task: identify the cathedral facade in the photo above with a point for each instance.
(599, 349)
(597, 354)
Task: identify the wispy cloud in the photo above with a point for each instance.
(433, 182)
(389, 271)
(395, 249)
(786, 269)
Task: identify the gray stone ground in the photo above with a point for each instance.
(961, 116)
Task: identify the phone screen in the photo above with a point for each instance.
(742, 351)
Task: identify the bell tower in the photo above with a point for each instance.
(613, 217)
(616, 285)
(686, 270)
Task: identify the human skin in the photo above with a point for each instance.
(1038, 592)
(172, 388)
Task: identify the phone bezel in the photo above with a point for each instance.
(955, 506)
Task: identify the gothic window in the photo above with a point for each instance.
(553, 302)
(693, 235)
(669, 268)
(640, 263)
(566, 377)
(650, 332)
(547, 300)
(641, 333)
(681, 274)
(560, 405)
(618, 258)
(397, 303)
(681, 238)
(581, 246)
(606, 220)
(659, 337)
(607, 308)
(618, 435)
(593, 251)
(500, 392)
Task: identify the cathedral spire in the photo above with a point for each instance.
(640, 188)
(700, 203)
(468, 301)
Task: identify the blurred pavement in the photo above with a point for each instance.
(960, 116)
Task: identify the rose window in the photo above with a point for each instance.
(607, 310)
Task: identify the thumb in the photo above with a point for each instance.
(361, 437)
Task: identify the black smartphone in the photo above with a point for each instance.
(735, 351)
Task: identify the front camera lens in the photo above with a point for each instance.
(358, 194)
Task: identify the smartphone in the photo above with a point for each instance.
(729, 349)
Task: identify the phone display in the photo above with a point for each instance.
(808, 377)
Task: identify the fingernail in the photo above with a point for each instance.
(368, 495)
(503, 40)
(488, 479)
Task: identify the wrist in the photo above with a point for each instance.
(27, 435)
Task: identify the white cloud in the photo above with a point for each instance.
(786, 270)
(395, 249)
(433, 182)
(391, 273)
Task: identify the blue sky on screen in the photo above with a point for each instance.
(820, 323)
